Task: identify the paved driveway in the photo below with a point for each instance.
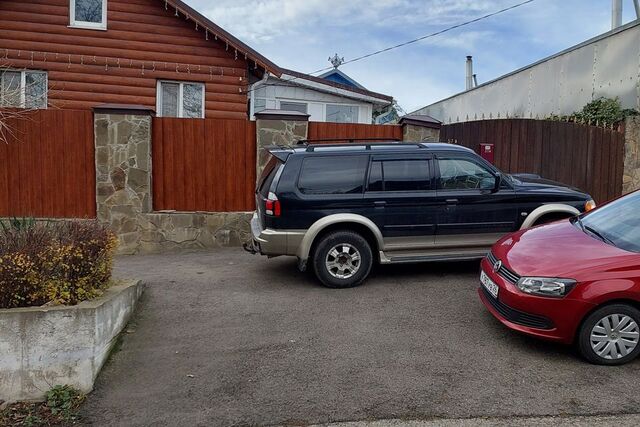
(226, 338)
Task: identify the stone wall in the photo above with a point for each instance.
(276, 127)
(631, 176)
(45, 346)
(124, 194)
(173, 231)
(414, 133)
(123, 174)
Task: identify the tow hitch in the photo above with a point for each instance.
(250, 247)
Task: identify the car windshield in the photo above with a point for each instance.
(617, 223)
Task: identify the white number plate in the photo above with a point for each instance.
(488, 284)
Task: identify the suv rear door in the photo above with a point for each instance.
(402, 194)
(472, 212)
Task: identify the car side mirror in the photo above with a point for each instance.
(498, 182)
(491, 184)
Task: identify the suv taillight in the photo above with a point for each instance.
(272, 205)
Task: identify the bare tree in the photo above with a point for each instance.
(19, 97)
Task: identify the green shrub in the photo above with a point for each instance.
(601, 111)
(57, 262)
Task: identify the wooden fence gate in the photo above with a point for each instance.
(203, 165)
(47, 167)
(588, 157)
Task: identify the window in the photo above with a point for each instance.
(23, 89)
(342, 113)
(293, 106)
(180, 99)
(259, 105)
(91, 14)
(460, 174)
(333, 175)
(259, 99)
(400, 175)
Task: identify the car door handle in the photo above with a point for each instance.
(379, 203)
(452, 201)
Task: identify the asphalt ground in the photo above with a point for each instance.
(227, 338)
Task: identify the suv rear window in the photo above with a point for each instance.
(400, 175)
(267, 176)
(333, 175)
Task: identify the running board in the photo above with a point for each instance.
(384, 259)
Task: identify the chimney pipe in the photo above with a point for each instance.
(616, 14)
(636, 4)
(469, 72)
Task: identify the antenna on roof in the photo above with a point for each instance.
(336, 61)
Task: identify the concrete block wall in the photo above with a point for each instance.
(45, 346)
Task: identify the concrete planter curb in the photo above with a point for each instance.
(41, 347)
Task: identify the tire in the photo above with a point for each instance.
(594, 323)
(342, 253)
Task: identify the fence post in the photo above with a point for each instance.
(420, 127)
(631, 175)
(123, 170)
(278, 127)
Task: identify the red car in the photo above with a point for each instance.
(574, 281)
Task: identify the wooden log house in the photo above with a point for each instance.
(160, 54)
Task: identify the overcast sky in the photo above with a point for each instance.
(302, 34)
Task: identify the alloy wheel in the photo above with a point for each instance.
(343, 261)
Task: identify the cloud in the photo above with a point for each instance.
(302, 34)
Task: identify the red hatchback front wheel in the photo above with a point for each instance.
(610, 335)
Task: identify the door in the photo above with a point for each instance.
(402, 193)
(473, 211)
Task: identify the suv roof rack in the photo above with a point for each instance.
(367, 145)
(349, 140)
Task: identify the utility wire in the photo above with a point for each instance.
(437, 33)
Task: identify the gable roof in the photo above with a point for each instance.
(220, 33)
(381, 98)
(340, 76)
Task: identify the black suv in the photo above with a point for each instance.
(342, 207)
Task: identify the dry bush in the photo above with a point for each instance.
(56, 262)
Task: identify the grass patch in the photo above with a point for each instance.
(59, 409)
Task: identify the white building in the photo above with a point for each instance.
(324, 100)
(605, 66)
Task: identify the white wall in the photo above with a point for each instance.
(276, 91)
(605, 66)
(44, 346)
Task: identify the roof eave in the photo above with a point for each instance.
(226, 36)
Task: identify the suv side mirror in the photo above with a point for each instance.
(498, 182)
(491, 183)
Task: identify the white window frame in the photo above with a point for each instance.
(87, 25)
(23, 86)
(292, 101)
(326, 117)
(180, 84)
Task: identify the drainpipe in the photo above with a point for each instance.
(252, 89)
(616, 14)
(469, 72)
(636, 4)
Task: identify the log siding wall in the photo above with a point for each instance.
(139, 32)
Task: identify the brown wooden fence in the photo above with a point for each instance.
(588, 157)
(47, 168)
(319, 130)
(203, 165)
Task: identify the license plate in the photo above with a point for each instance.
(488, 284)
